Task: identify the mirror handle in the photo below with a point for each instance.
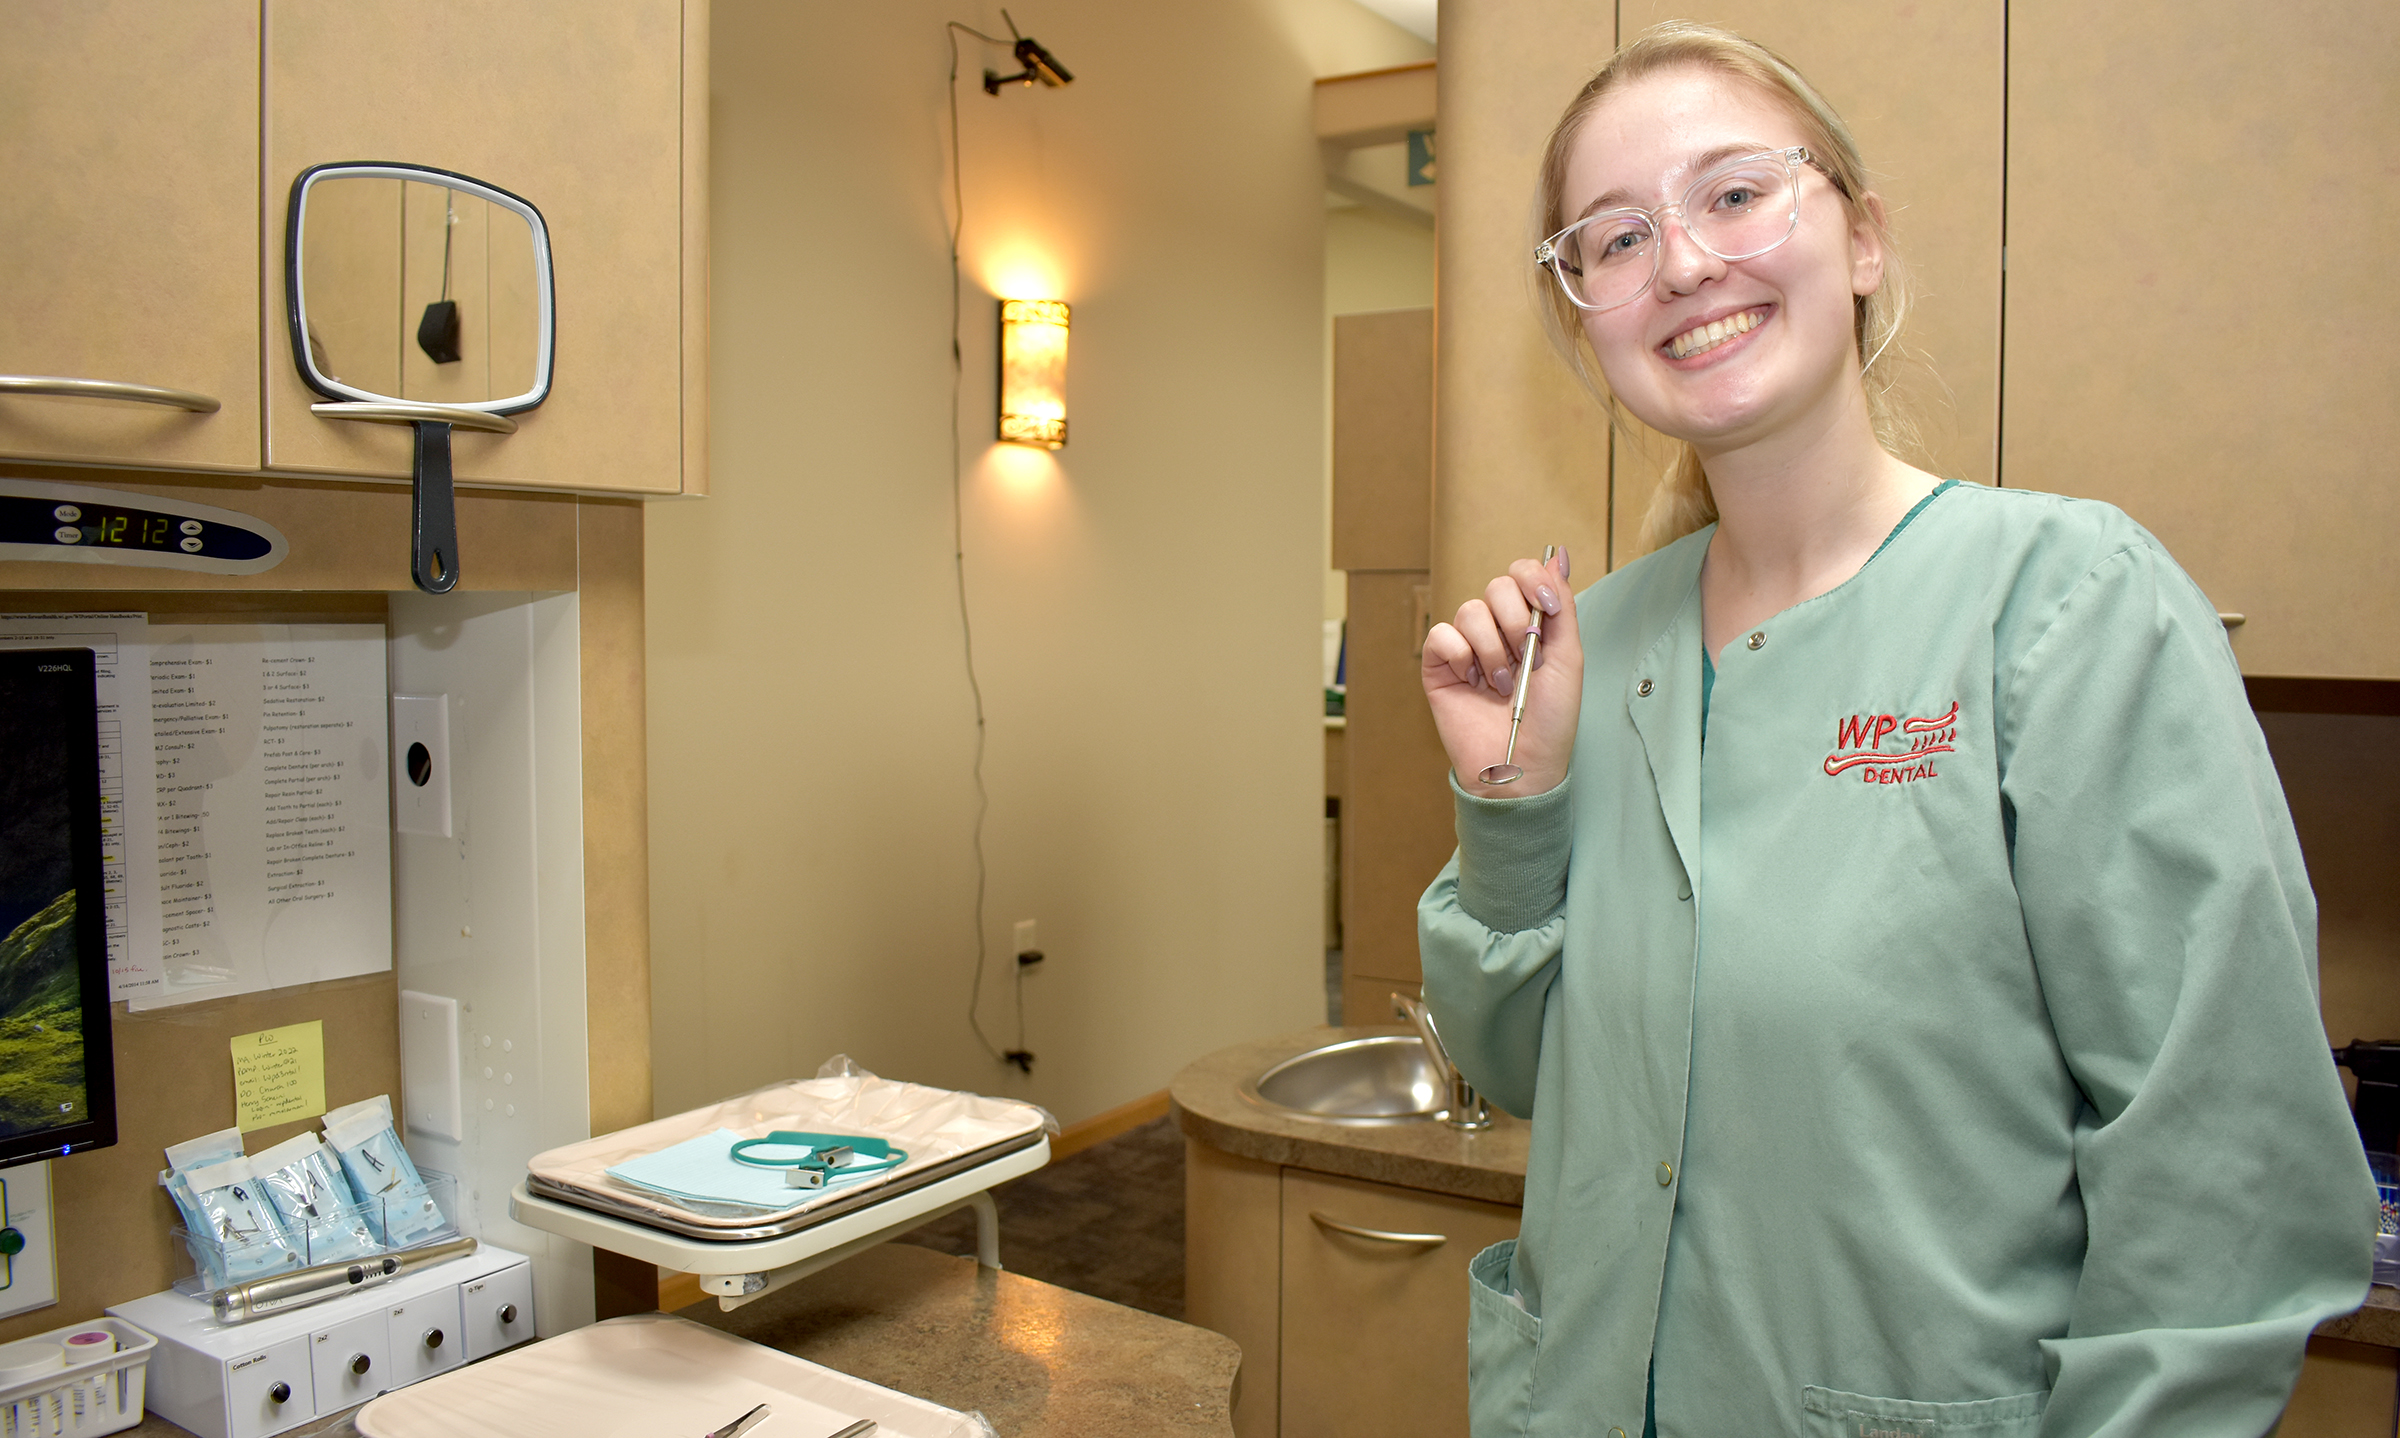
(432, 512)
(63, 387)
(399, 412)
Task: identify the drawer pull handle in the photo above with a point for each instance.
(1380, 1235)
(403, 412)
(281, 1392)
(61, 386)
(360, 1363)
(508, 1314)
(433, 1338)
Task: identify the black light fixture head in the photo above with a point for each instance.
(1039, 64)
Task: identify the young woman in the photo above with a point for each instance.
(1897, 939)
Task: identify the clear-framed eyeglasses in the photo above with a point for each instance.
(1737, 211)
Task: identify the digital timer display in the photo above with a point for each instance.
(45, 521)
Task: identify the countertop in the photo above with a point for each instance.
(1036, 1360)
(1208, 1106)
(1490, 1165)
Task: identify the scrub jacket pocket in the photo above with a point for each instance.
(1834, 1414)
(1502, 1339)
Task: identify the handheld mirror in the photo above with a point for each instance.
(417, 296)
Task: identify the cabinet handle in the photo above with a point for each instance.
(508, 1314)
(62, 387)
(1428, 1240)
(457, 416)
(433, 1338)
(280, 1393)
(360, 1363)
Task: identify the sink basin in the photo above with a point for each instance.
(1383, 1079)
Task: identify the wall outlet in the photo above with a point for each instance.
(1026, 942)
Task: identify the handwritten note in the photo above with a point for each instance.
(279, 1075)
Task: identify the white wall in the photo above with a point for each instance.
(1144, 603)
(492, 915)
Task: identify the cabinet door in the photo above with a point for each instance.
(580, 109)
(496, 1312)
(129, 233)
(2198, 212)
(268, 1392)
(1375, 1328)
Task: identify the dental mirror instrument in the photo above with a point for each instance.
(1507, 771)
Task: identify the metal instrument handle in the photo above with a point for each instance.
(60, 386)
(382, 412)
(1428, 1240)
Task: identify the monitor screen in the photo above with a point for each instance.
(57, 1089)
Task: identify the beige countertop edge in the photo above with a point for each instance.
(2377, 1321)
(1208, 1106)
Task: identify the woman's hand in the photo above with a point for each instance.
(1472, 669)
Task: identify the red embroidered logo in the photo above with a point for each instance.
(1862, 737)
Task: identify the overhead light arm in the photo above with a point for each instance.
(1039, 64)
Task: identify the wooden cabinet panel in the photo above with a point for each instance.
(589, 113)
(2346, 1391)
(1921, 88)
(1397, 830)
(1383, 440)
(1232, 1217)
(2191, 210)
(1374, 1331)
(129, 235)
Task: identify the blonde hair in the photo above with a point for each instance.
(1682, 502)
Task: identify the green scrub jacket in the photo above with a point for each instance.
(1936, 1051)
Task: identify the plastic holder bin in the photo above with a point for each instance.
(97, 1395)
(329, 1239)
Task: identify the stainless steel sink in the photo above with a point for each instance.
(1382, 1079)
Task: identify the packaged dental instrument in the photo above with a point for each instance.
(399, 1208)
(226, 1207)
(322, 1216)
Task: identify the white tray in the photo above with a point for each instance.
(650, 1376)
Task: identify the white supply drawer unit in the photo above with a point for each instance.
(257, 1379)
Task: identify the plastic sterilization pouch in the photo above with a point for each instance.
(304, 1181)
(226, 1203)
(397, 1204)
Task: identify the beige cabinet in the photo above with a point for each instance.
(1348, 1298)
(596, 115)
(1375, 1306)
(2194, 210)
(129, 232)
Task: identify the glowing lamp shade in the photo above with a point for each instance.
(1033, 372)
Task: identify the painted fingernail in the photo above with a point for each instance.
(1566, 570)
(1500, 679)
(1546, 597)
(1474, 673)
(1538, 657)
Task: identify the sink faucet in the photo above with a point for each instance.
(1467, 1109)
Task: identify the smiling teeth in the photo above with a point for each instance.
(1708, 336)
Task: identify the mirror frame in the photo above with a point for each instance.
(295, 305)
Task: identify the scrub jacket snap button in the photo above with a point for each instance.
(1759, 640)
(1616, 1433)
(1683, 891)
(1666, 1173)
(1643, 688)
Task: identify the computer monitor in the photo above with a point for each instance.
(57, 1070)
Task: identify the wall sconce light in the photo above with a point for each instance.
(1033, 373)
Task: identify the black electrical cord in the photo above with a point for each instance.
(958, 544)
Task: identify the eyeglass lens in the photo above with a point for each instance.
(1735, 212)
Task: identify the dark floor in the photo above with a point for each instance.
(1107, 1221)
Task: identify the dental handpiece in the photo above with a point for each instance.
(262, 1296)
(1506, 771)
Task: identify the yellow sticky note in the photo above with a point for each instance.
(279, 1075)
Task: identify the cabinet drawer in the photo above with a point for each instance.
(269, 1391)
(1375, 1305)
(496, 1312)
(351, 1361)
(424, 1338)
